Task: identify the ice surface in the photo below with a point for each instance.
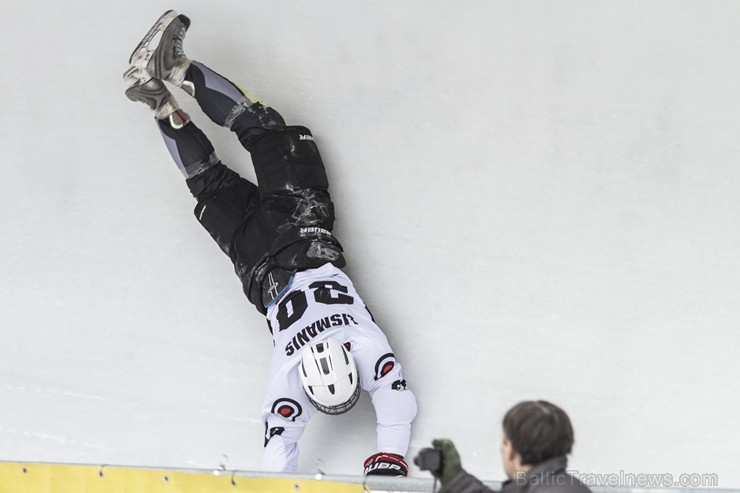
(537, 200)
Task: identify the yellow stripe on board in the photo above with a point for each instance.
(17, 477)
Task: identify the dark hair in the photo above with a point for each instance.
(539, 431)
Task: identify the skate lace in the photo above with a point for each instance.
(178, 42)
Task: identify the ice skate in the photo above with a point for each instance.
(166, 61)
(154, 94)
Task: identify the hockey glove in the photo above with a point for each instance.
(382, 464)
(451, 465)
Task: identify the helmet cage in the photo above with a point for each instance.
(341, 408)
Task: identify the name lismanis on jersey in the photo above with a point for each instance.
(306, 334)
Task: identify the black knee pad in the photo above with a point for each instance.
(287, 160)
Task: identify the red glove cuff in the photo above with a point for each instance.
(382, 464)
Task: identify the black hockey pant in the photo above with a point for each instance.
(254, 223)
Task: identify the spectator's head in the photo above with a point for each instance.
(534, 431)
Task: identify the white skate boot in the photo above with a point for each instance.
(153, 93)
(166, 61)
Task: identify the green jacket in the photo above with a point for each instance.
(547, 477)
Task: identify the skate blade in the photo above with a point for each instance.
(142, 54)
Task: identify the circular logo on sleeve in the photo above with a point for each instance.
(385, 364)
(287, 408)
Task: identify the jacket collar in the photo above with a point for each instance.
(550, 466)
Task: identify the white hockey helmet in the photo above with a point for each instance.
(329, 376)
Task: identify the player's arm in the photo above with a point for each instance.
(285, 414)
(395, 410)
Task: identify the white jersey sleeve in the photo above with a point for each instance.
(322, 303)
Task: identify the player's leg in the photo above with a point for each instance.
(285, 413)
(224, 198)
(228, 105)
(286, 159)
(293, 186)
(223, 101)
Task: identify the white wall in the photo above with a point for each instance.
(538, 200)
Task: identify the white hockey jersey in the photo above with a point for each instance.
(322, 303)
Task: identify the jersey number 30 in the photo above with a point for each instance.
(291, 309)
